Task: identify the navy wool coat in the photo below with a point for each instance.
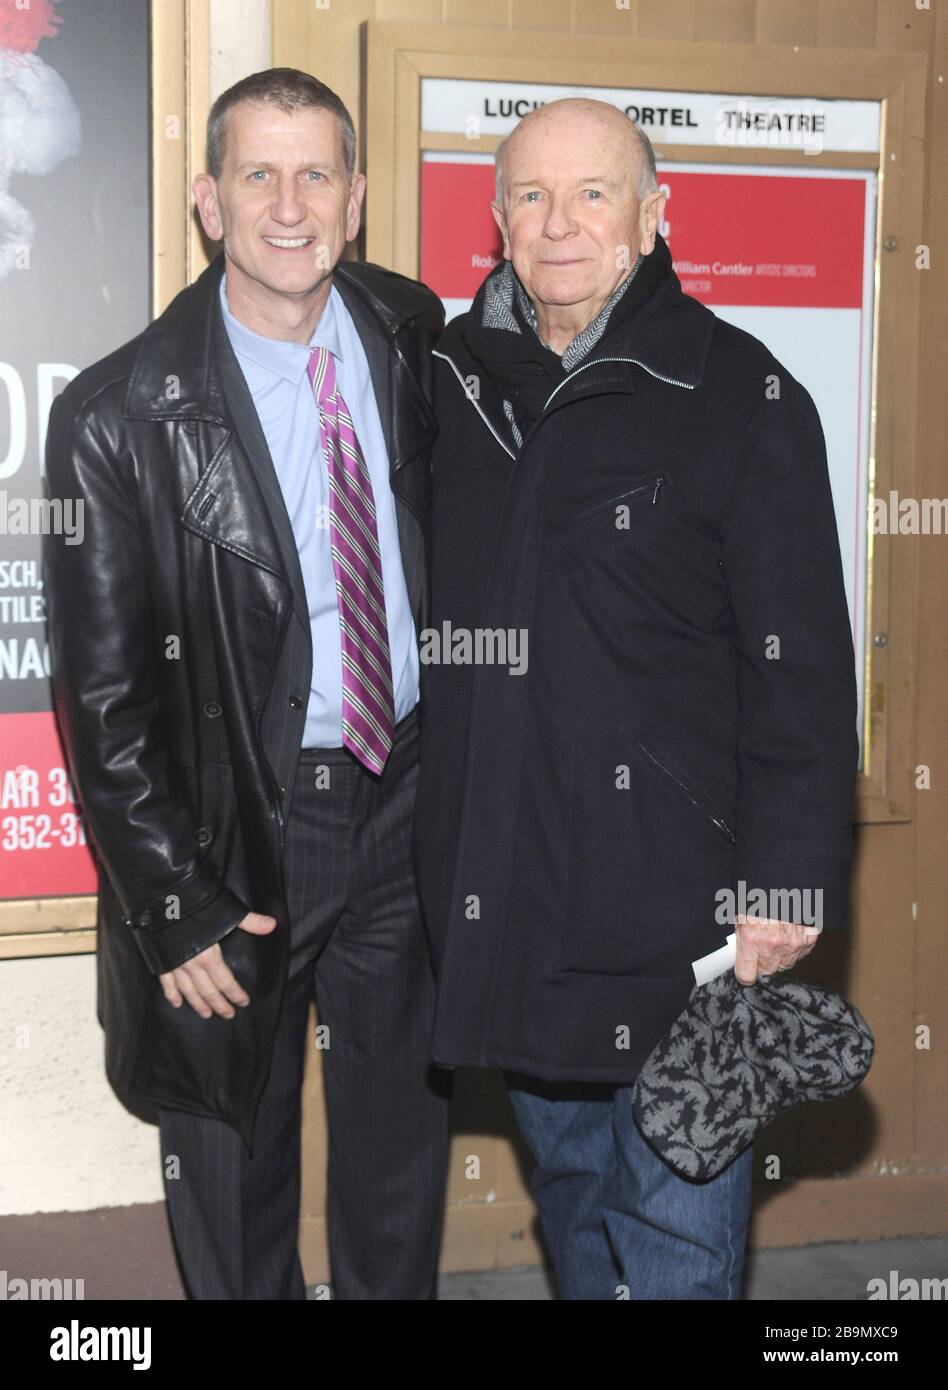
(667, 517)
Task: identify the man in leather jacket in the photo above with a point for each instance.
(235, 672)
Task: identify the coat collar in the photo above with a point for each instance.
(669, 336)
(176, 376)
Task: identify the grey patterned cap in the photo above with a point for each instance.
(735, 1058)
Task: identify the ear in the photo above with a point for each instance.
(204, 189)
(354, 207)
(501, 221)
(650, 215)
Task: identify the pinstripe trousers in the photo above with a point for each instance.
(357, 941)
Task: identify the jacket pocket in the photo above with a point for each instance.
(645, 868)
(644, 488)
(696, 798)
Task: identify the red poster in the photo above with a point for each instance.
(767, 240)
(43, 851)
(736, 238)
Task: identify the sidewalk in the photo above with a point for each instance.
(804, 1273)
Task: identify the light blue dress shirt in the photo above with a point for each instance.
(275, 371)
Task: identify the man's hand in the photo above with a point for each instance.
(764, 946)
(207, 982)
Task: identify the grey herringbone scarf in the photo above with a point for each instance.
(498, 313)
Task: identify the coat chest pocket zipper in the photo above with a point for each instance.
(651, 483)
(697, 799)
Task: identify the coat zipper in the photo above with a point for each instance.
(698, 802)
(671, 381)
(474, 403)
(659, 479)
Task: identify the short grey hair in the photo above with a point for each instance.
(648, 174)
(289, 90)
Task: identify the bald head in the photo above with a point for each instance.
(582, 117)
(577, 203)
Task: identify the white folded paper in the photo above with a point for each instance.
(710, 966)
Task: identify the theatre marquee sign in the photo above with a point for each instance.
(476, 109)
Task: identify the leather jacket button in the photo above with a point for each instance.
(212, 709)
(295, 702)
(204, 836)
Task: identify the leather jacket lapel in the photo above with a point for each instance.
(407, 421)
(179, 376)
(250, 435)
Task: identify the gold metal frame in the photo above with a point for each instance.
(397, 56)
(180, 97)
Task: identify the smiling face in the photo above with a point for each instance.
(283, 204)
(571, 218)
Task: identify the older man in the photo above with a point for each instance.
(639, 493)
(236, 675)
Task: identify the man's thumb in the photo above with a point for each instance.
(257, 923)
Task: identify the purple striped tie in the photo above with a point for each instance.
(368, 702)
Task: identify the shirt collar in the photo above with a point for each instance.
(277, 356)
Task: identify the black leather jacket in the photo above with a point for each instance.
(165, 626)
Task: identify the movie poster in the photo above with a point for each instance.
(75, 268)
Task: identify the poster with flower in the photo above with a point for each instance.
(75, 267)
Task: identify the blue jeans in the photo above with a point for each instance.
(618, 1222)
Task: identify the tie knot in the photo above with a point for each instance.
(321, 369)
